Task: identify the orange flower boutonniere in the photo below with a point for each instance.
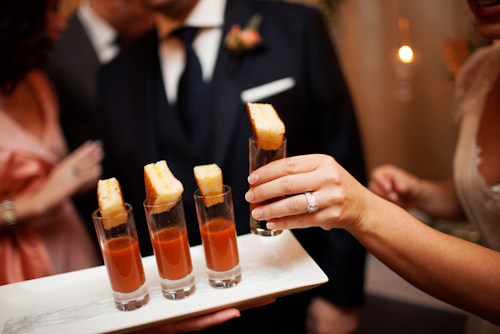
(239, 41)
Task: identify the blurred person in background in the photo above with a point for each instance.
(473, 193)
(97, 32)
(41, 233)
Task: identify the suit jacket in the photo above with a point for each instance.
(140, 127)
(72, 67)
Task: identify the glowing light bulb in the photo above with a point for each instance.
(406, 54)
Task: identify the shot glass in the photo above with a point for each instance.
(122, 257)
(259, 157)
(218, 235)
(167, 229)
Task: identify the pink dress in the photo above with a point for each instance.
(57, 241)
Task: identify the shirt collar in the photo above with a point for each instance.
(100, 32)
(206, 14)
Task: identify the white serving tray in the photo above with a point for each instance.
(82, 302)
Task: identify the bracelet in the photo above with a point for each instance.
(8, 213)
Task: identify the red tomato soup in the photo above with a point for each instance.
(171, 248)
(124, 264)
(219, 243)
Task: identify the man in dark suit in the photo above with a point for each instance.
(295, 69)
(90, 41)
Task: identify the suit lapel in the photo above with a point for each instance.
(227, 86)
(81, 45)
(137, 79)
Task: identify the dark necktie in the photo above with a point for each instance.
(191, 86)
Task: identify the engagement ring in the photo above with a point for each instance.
(312, 206)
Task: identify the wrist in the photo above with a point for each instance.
(420, 194)
(28, 206)
(373, 208)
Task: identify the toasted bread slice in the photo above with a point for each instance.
(161, 186)
(111, 204)
(209, 180)
(268, 128)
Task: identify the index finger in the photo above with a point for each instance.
(283, 167)
(258, 304)
(197, 323)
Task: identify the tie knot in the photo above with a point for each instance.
(186, 34)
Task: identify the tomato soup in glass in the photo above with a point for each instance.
(169, 237)
(219, 243)
(122, 258)
(218, 235)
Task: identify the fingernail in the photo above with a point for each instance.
(271, 226)
(253, 178)
(257, 213)
(249, 196)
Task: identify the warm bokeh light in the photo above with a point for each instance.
(406, 54)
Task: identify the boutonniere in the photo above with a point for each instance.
(241, 41)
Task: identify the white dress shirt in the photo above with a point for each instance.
(208, 15)
(102, 35)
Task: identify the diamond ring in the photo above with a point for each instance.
(312, 205)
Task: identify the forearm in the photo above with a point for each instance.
(439, 200)
(453, 270)
(29, 206)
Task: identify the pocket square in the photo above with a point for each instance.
(258, 93)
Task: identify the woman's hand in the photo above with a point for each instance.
(341, 198)
(204, 321)
(195, 324)
(79, 170)
(395, 185)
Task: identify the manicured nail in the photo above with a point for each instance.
(271, 226)
(254, 178)
(257, 213)
(249, 196)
